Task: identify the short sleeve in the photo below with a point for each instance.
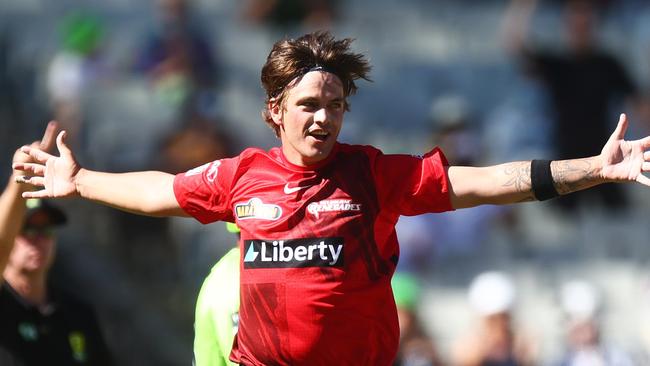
(204, 192)
(412, 185)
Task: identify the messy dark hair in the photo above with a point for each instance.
(290, 59)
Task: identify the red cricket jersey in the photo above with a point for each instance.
(318, 247)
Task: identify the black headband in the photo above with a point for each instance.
(306, 70)
(317, 67)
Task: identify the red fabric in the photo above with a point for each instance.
(316, 308)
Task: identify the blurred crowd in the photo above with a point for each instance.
(173, 84)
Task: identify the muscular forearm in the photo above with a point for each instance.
(511, 182)
(568, 176)
(146, 193)
(576, 174)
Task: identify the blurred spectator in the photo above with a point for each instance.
(196, 142)
(282, 14)
(416, 348)
(581, 303)
(217, 310)
(494, 341)
(518, 126)
(178, 59)
(40, 322)
(583, 81)
(74, 68)
(453, 129)
(430, 239)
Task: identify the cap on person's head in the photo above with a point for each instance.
(42, 213)
(580, 300)
(406, 290)
(81, 33)
(492, 293)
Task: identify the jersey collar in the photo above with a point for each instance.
(312, 167)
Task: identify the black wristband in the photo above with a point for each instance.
(542, 180)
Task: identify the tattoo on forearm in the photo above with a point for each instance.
(573, 175)
(518, 176)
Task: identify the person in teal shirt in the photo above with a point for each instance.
(217, 311)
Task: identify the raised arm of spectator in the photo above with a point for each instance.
(619, 161)
(147, 193)
(516, 24)
(12, 204)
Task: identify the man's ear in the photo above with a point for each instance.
(275, 109)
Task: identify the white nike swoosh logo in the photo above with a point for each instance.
(289, 190)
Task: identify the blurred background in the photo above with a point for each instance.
(171, 84)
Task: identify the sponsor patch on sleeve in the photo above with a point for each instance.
(256, 209)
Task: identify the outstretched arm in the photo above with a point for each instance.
(619, 161)
(146, 193)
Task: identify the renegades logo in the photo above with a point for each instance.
(315, 208)
(294, 253)
(256, 209)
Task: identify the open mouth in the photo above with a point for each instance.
(319, 135)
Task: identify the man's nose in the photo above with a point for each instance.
(321, 116)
